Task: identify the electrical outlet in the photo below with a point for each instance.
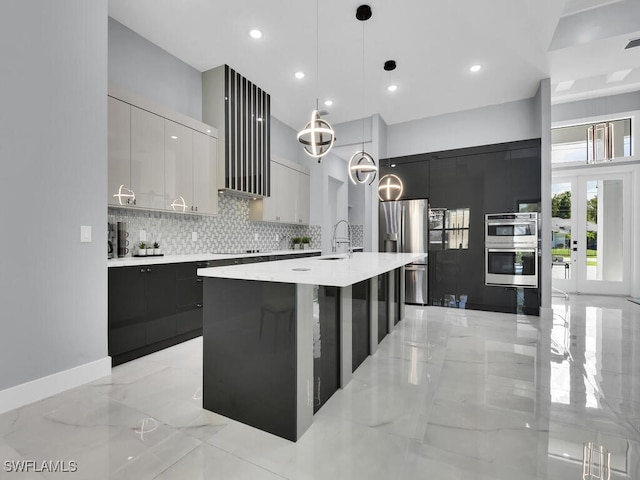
(143, 235)
(194, 236)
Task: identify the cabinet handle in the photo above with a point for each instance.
(148, 270)
(199, 305)
(134, 201)
(199, 280)
(192, 208)
(142, 270)
(201, 265)
(196, 208)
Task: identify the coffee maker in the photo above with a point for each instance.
(111, 240)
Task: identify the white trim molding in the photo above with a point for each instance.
(35, 390)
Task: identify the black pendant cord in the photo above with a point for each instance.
(363, 87)
(317, 52)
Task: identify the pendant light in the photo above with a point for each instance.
(317, 136)
(362, 167)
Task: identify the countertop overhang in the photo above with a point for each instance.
(317, 270)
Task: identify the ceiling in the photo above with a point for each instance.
(518, 43)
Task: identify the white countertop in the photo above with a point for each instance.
(315, 271)
(196, 257)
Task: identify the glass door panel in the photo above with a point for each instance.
(590, 233)
(562, 219)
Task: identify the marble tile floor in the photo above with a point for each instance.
(450, 394)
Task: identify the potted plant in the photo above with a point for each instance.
(142, 249)
(306, 241)
(156, 249)
(296, 243)
(149, 250)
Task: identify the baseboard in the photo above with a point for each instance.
(29, 392)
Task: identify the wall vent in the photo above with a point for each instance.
(633, 43)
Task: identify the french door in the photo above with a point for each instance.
(591, 239)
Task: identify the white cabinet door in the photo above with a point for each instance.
(287, 195)
(119, 152)
(205, 191)
(270, 204)
(303, 204)
(178, 167)
(147, 158)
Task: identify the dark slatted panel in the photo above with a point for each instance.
(247, 148)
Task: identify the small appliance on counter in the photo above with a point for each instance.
(111, 240)
(122, 239)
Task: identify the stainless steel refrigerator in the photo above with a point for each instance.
(404, 227)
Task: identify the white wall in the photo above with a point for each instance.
(139, 66)
(284, 143)
(327, 206)
(506, 122)
(53, 145)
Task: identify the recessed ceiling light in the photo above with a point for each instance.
(299, 75)
(392, 88)
(255, 33)
(566, 85)
(393, 165)
(618, 76)
(475, 68)
(328, 103)
(173, 137)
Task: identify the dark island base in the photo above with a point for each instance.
(249, 352)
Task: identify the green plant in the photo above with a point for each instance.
(296, 240)
(156, 245)
(142, 245)
(305, 240)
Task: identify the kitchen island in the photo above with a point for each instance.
(280, 338)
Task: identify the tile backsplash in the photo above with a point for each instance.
(228, 232)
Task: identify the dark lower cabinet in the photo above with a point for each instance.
(157, 306)
(151, 308)
(127, 309)
(160, 299)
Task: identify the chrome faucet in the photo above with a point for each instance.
(336, 240)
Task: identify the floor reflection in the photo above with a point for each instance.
(451, 394)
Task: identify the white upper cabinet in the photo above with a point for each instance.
(178, 167)
(158, 159)
(147, 158)
(205, 193)
(119, 153)
(289, 200)
(303, 204)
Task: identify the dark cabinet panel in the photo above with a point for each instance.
(127, 312)
(161, 303)
(360, 323)
(189, 319)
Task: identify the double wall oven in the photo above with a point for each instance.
(511, 249)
